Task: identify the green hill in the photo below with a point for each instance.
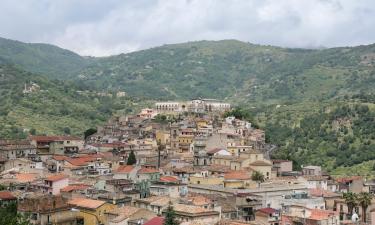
(42, 58)
(56, 107)
(311, 102)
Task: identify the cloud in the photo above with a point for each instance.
(96, 27)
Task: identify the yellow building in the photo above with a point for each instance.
(211, 180)
(163, 137)
(201, 123)
(238, 179)
(184, 142)
(91, 211)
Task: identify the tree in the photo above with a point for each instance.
(351, 202)
(9, 216)
(89, 132)
(257, 176)
(131, 159)
(170, 216)
(66, 130)
(364, 200)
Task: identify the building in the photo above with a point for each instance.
(12, 149)
(269, 216)
(47, 209)
(191, 214)
(91, 211)
(57, 144)
(54, 183)
(6, 198)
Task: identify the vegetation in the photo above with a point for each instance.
(257, 176)
(9, 216)
(362, 199)
(170, 216)
(131, 159)
(317, 106)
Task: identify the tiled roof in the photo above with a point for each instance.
(214, 150)
(237, 175)
(56, 177)
(125, 169)
(7, 195)
(26, 177)
(168, 179)
(147, 170)
(74, 187)
(267, 210)
(348, 179)
(54, 138)
(260, 163)
(182, 208)
(280, 160)
(199, 200)
(316, 192)
(318, 214)
(86, 203)
(315, 178)
(59, 157)
(81, 161)
(155, 221)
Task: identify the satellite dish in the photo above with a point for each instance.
(355, 217)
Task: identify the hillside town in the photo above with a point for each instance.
(192, 160)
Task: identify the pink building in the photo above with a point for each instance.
(53, 184)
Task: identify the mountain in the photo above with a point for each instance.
(50, 106)
(42, 58)
(317, 105)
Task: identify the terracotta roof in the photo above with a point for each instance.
(317, 192)
(199, 200)
(191, 209)
(215, 150)
(56, 177)
(125, 169)
(81, 161)
(237, 175)
(75, 187)
(267, 210)
(315, 178)
(7, 195)
(260, 163)
(54, 138)
(318, 214)
(348, 179)
(169, 179)
(155, 221)
(59, 157)
(147, 170)
(26, 177)
(86, 203)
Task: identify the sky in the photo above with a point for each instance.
(108, 27)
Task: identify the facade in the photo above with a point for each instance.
(195, 106)
(12, 149)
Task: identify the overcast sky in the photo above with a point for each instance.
(105, 27)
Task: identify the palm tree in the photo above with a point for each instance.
(364, 200)
(351, 202)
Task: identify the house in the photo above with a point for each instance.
(129, 215)
(155, 204)
(269, 216)
(6, 197)
(74, 190)
(191, 214)
(46, 209)
(302, 215)
(351, 184)
(281, 166)
(312, 181)
(12, 149)
(54, 183)
(312, 171)
(238, 179)
(57, 144)
(167, 186)
(91, 211)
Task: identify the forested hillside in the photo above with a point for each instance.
(316, 105)
(57, 107)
